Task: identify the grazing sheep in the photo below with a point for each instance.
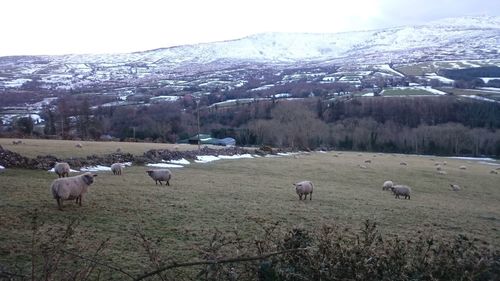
(455, 187)
(117, 168)
(160, 175)
(118, 150)
(494, 172)
(403, 164)
(79, 145)
(368, 161)
(304, 188)
(442, 172)
(71, 188)
(362, 166)
(444, 163)
(400, 190)
(62, 169)
(439, 168)
(462, 167)
(16, 142)
(387, 185)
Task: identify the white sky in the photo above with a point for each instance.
(37, 27)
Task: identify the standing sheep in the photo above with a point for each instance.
(71, 188)
(160, 175)
(117, 168)
(401, 190)
(62, 169)
(387, 185)
(455, 187)
(79, 145)
(304, 188)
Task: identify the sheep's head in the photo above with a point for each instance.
(88, 178)
(150, 172)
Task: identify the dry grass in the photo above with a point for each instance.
(229, 194)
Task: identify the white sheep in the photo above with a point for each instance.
(62, 169)
(117, 168)
(363, 166)
(368, 161)
(71, 188)
(304, 188)
(494, 172)
(401, 190)
(387, 185)
(442, 172)
(79, 145)
(403, 164)
(463, 167)
(160, 175)
(455, 187)
(439, 168)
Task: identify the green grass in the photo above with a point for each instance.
(486, 94)
(230, 194)
(406, 92)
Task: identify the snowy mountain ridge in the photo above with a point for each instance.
(464, 38)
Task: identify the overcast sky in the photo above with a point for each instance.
(36, 27)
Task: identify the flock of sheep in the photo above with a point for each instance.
(74, 188)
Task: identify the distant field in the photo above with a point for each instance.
(487, 94)
(63, 148)
(406, 92)
(230, 194)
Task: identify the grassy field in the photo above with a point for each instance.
(230, 194)
(487, 94)
(406, 92)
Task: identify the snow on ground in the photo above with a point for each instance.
(487, 79)
(440, 78)
(180, 162)
(166, 98)
(237, 156)
(164, 165)
(2, 167)
(206, 158)
(478, 98)
(489, 163)
(368, 95)
(455, 65)
(489, 89)
(472, 158)
(70, 170)
(387, 68)
(97, 168)
(469, 64)
(434, 91)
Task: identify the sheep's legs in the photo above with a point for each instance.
(311, 196)
(168, 183)
(305, 196)
(59, 203)
(300, 196)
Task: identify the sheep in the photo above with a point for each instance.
(368, 161)
(304, 188)
(463, 167)
(118, 150)
(455, 187)
(62, 169)
(160, 175)
(400, 190)
(403, 164)
(362, 167)
(439, 168)
(16, 142)
(71, 188)
(442, 172)
(494, 172)
(117, 168)
(79, 145)
(387, 185)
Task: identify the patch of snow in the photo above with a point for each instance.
(469, 64)
(2, 167)
(164, 165)
(487, 79)
(368, 95)
(441, 79)
(70, 170)
(166, 98)
(97, 168)
(387, 68)
(434, 91)
(478, 98)
(472, 158)
(180, 162)
(236, 156)
(206, 158)
(489, 163)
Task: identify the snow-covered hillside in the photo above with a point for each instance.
(465, 38)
